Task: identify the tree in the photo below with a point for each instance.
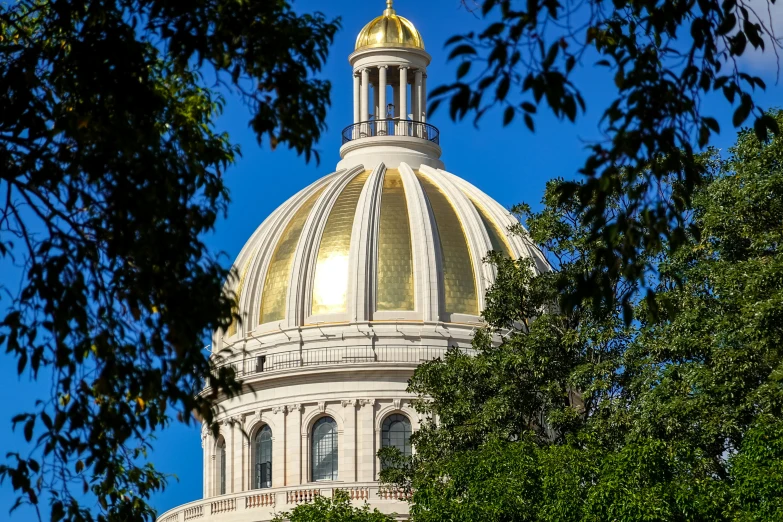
(665, 58)
(569, 415)
(337, 508)
(112, 170)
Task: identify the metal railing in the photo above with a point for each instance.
(391, 127)
(255, 363)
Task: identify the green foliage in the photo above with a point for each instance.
(575, 416)
(112, 170)
(338, 508)
(664, 57)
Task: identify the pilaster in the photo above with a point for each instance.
(279, 443)
(366, 447)
(293, 453)
(347, 469)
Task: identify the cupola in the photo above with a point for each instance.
(390, 97)
(389, 30)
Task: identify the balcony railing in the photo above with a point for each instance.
(262, 503)
(391, 127)
(254, 363)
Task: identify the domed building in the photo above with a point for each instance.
(343, 291)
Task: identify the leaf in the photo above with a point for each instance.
(502, 90)
(742, 112)
(528, 107)
(529, 122)
(28, 429)
(21, 363)
(463, 70)
(58, 512)
(508, 116)
(462, 50)
(712, 123)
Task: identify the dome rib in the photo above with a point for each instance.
(460, 292)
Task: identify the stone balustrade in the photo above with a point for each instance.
(260, 500)
(262, 504)
(223, 506)
(387, 493)
(193, 512)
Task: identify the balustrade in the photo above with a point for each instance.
(298, 496)
(387, 493)
(223, 506)
(360, 493)
(260, 500)
(194, 512)
(212, 509)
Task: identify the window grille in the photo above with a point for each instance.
(324, 450)
(263, 459)
(396, 433)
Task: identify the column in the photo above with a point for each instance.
(403, 101)
(365, 99)
(375, 100)
(382, 99)
(365, 431)
(356, 98)
(294, 445)
(413, 103)
(417, 109)
(419, 95)
(424, 98)
(347, 470)
(382, 89)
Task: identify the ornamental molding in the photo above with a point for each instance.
(349, 402)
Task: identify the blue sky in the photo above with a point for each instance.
(510, 164)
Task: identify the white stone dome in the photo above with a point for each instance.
(365, 245)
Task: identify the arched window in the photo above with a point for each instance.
(396, 433)
(221, 466)
(263, 459)
(324, 450)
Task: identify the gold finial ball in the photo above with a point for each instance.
(389, 30)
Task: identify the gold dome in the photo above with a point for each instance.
(389, 30)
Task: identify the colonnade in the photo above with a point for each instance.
(378, 78)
